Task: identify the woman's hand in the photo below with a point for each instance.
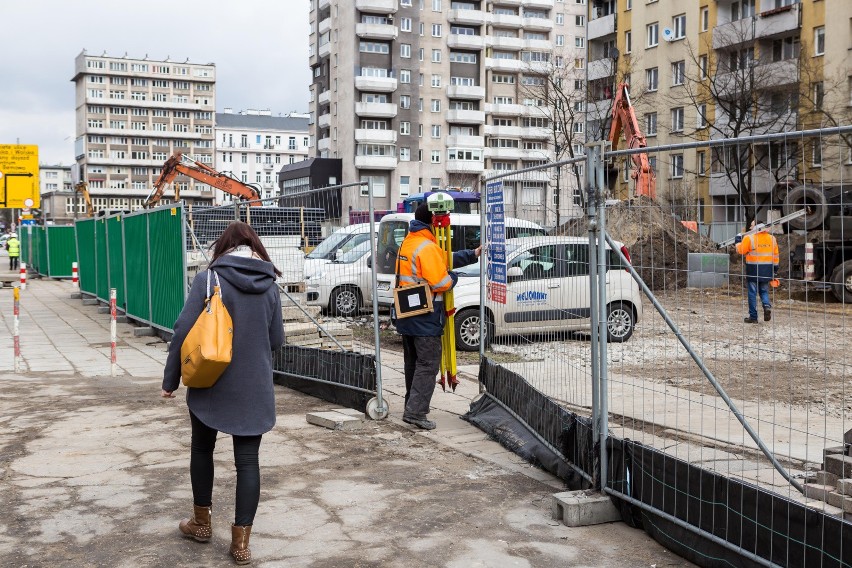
(167, 394)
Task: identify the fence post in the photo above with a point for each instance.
(377, 408)
(75, 276)
(603, 410)
(591, 214)
(112, 331)
(16, 310)
(23, 276)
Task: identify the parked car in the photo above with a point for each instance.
(342, 286)
(335, 245)
(547, 290)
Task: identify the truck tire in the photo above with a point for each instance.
(841, 282)
(813, 200)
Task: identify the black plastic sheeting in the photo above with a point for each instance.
(765, 524)
(333, 376)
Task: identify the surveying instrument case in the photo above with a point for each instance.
(411, 300)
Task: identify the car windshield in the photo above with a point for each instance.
(354, 253)
(326, 248)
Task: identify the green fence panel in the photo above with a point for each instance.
(33, 249)
(61, 251)
(40, 250)
(115, 259)
(24, 238)
(168, 284)
(101, 266)
(84, 230)
(137, 256)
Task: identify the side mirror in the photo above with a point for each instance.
(337, 254)
(515, 272)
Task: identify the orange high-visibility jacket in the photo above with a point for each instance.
(420, 258)
(761, 255)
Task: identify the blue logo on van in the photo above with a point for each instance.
(532, 296)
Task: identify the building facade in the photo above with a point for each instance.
(253, 145)
(131, 115)
(415, 95)
(57, 195)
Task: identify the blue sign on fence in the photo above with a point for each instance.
(495, 236)
(494, 193)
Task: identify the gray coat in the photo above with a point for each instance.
(242, 402)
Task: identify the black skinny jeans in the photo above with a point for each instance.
(246, 450)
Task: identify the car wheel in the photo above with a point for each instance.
(467, 330)
(620, 322)
(841, 282)
(345, 302)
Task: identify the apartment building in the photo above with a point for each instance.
(725, 69)
(414, 95)
(131, 115)
(253, 145)
(57, 194)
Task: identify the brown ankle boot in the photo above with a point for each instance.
(240, 544)
(198, 527)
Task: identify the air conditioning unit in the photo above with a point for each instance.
(390, 19)
(668, 34)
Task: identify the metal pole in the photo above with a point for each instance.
(17, 330)
(382, 408)
(483, 328)
(603, 413)
(112, 332)
(591, 163)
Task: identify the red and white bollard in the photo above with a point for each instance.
(810, 271)
(75, 276)
(23, 276)
(16, 329)
(112, 331)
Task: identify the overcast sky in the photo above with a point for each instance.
(260, 48)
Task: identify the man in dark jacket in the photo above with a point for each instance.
(422, 260)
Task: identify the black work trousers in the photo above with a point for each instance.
(13, 263)
(422, 362)
(246, 450)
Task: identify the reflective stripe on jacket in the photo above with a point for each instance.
(14, 247)
(761, 256)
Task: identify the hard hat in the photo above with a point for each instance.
(15, 235)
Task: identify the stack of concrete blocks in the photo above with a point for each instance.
(309, 334)
(285, 254)
(833, 484)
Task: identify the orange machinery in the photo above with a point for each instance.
(624, 120)
(179, 164)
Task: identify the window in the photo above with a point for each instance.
(652, 34)
(376, 185)
(462, 57)
(579, 42)
(405, 24)
(819, 40)
(628, 41)
(678, 70)
(436, 30)
(701, 119)
(404, 101)
(679, 27)
(816, 153)
(374, 47)
(436, 105)
(819, 95)
(741, 10)
(677, 166)
(436, 56)
(579, 63)
(405, 50)
(701, 163)
(560, 40)
(677, 119)
(503, 100)
(560, 19)
(705, 18)
(436, 156)
(436, 81)
(498, 78)
(580, 21)
(405, 127)
(463, 81)
(436, 131)
(436, 5)
(464, 154)
(651, 124)
(702, 66)
(404, 76)
(405, 154)
(652, 76)
(786, 48)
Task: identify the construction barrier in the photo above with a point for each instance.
(49, 251)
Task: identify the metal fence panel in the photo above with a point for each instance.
(115, 259)
(61, 251)
(84, 230)
(137, 265)
(168, 288)
(101, 261)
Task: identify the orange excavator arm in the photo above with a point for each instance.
(178, 164)
(624, 120)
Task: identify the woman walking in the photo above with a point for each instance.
(242, 402)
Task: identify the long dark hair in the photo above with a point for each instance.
(238, 234)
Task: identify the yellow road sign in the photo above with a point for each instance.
(19, 187)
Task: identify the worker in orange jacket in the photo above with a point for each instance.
(421, 259)
(761, 256)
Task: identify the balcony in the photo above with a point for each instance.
(505, 65)
(386, 32)
(372, 136)
(375, 162)
(507, 21)
(778, 21)
(540, 24)
(505, 43)
(503, 153)
(542, 154)
(376, 84)
(466, 116)
(776, 74)
(465, 92)
(537, 133)
(324, 97)
(601, 68)
(324, 120)
(464, 167)
(504, 131)
(459, 41)
(323, 4)
(324, 26)
(465, 141)
(466, 17)
(377, 110)
(324, 50)
(505, 109)
(546, 4)
(600, 27)
(377, 6)
(538, 44)
(324, 144)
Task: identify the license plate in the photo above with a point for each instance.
(383, 286)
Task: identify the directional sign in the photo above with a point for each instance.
(19, 185)
(495, 235)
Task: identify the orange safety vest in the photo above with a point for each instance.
(420, 258)
(759, 248)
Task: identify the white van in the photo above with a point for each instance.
(465, 235)
(336, 245)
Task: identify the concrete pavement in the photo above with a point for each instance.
(94, 471)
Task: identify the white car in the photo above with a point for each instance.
(335, 245)
(547, 290)
(342, 286)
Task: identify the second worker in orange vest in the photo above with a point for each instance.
(761, 256)
(422, 260)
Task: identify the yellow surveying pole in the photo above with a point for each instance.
(440, 205)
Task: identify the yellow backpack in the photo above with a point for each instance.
(206, 351)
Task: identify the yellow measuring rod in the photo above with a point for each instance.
(443, 233)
